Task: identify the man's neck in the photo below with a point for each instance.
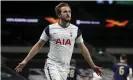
(64, 24)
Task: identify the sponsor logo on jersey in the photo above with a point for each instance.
(63, 41)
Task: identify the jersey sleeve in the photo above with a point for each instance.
(45, 34)
(79, 38)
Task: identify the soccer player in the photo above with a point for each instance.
(62, 37)
(72, 71)
(122, 70)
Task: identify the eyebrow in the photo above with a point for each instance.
(66, 10)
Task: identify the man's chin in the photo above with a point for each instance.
(67, 20)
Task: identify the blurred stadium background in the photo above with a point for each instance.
(107, 28)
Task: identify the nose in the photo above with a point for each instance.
(68, 15)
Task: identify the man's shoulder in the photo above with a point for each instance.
(53, 25)
(74, 26)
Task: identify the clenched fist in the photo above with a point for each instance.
(20, 67)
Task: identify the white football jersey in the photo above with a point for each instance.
(62, 41)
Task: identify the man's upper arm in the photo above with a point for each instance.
(81, 45)
(41, 42)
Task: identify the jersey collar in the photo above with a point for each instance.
(63, 26)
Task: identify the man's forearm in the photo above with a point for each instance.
(87, 56)
(35, 49)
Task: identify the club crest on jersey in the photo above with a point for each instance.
(63, 41)
(70, 34)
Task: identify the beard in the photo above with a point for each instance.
(66, 19)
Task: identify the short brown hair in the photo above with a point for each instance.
(123, 56)
(58, 7)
